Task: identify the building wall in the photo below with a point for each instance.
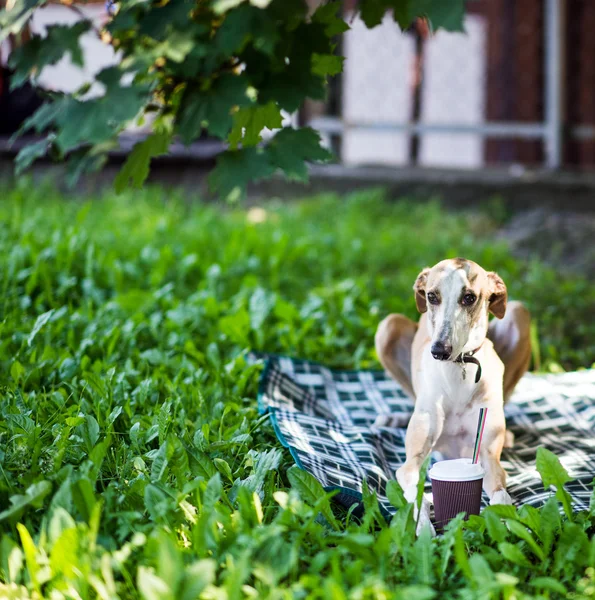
(377, 82)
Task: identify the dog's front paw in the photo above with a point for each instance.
(423, 518)
(500, 497)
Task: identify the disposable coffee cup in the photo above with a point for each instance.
(456, 487)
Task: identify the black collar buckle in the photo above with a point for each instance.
(469, 357)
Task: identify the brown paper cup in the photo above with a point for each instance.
(456, 488)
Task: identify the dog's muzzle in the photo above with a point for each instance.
(441, 350)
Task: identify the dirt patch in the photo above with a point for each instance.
(564, 239)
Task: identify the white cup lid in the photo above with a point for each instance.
(459, 469)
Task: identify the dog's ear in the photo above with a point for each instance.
(419, 287)
(497, 295)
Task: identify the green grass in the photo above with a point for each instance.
(133, 462)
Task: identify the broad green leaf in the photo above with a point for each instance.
(86, 161)
(275, 558)
(522, 532)
(460, 552)
(496, 529)
(311, 492)
(163, 421)
(550, 468)
(42, 118)
(554, 474)
(60, 522)
(249, 121)
(169, 563)
(16, 370)
(264, 463)
(90, 432)
(30, 153)
(156, 501)
(212, 493)
(415, 592)
(34, 496)
(395, 494)
(504, 511)
(236, 168)
(513, 554)
(152, 587)
(178, 459)
(248, 504)
(293, 82)
(201, 464)
(329, 15)
(372, 11)
(372, 514)
(423, 557)
(246, 26)
(98, 120)
(21, 424)
(97, 456)
(549, 584)
(136, 168)
(177, 48)
(12, 559)
(197, 576)
(30, 552)
(83, 496)
(236, 327)
(114, 415)
(260, 305)
(211, 109)
(402, 13)
(572, 547)
(65, 554)
(160, 462)
(549, 523)
(327, 64)
(290, 148)
(530, 517)
(223, 468)
(482, 573)
(39, 323)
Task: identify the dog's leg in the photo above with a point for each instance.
(511, 337)
(393, 340)
(424, 430)
(494, 481)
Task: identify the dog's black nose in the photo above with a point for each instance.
(441, 351)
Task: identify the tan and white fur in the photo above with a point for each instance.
(455, 298)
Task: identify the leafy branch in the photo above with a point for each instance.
(225, 68)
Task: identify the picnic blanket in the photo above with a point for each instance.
(325, 417)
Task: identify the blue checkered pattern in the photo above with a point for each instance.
(324, 417)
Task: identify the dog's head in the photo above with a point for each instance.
(458, 295)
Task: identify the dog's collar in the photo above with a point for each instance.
(469, 357)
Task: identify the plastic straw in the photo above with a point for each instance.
(480, 425)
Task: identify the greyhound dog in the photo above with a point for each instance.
(452, 363)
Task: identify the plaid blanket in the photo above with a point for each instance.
(324, 418)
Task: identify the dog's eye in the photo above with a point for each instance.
(432, 298)
(469, 299)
